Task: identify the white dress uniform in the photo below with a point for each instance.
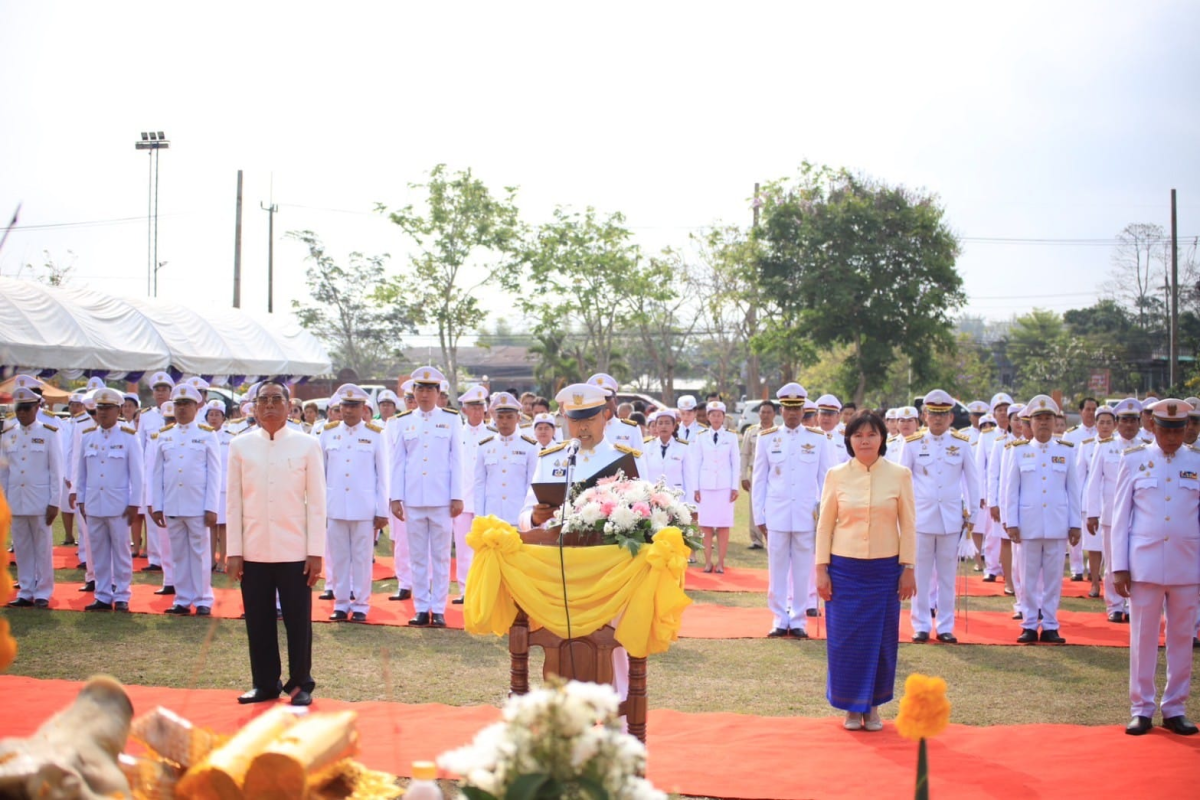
(427, 475)
(186, 483)
(1076, 435)
(717, 473)
(689, 433)
(356, 491)
(504, 470)
(1040, 496)
(1100, 496)
(789, 475)
(553, 465)
(224, 438)
(463, 554)
(69, 438)
(1156, 539)
(944, 483)
(158, 543)
(1091, 542)
(624, 432)
(109, 478)
(401, 563)
(837, 442)
(672, 462)
(895, 448)
(31, 474)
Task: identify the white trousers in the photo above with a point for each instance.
(402, 563)
(937, 566)
(153, 554)
(790, 557)
(1113, 602)
(33, 545)
(429, 537)
(83, 548)
(1146, 604)
(108, 541)
(1075, 551)
(351, 543)
(160, 540)
(191, 553)
(1041, 581)
(463, 554)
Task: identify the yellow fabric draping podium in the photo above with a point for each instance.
(645, 592)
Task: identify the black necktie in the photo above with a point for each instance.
(664, 447)
(714, 437)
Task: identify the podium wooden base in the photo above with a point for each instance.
(549, 538)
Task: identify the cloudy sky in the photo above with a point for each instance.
(1056, 122)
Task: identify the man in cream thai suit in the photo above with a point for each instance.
(789, 473)
(944, 483)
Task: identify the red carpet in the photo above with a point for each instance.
(382, 570)
(787, 758)
(700, 621)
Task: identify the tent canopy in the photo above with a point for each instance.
(49, 329)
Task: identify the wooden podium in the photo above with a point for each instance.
(583, 658)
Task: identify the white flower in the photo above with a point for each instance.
(684, 515)
(659, 519)
(623, 517)
(590, 513)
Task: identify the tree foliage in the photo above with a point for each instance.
(845, 259)
(363, 332)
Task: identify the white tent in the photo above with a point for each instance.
(45, 329)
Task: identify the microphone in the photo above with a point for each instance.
(572, 448)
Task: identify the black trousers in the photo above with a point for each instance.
(260, 582)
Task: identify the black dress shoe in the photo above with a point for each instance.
(301, 698)
(933, 613)
(151, 568)
(40, 603)
(1196, 643)
(1018, 615)
(798, 633)
(203, 611)
(437, 621)
(1139, 726)
(179, 611)
(1115, 617)
(21, 602)
(258, 696)
(421, 620)
(90, 586)
(98, 606)
(166, 590)
(989, 578)
(458, 601)
(777, 633)
(812, 612)
(325, 595)
(121, 606)
(358, 616)
(1125, 617)
(402, 594)
(1077, 577)
(921, 637)
(81, 565)
(755, 547)
(338, 616)
(1028, 636)
(1181, 725)
(947, 638)
(1052, 637)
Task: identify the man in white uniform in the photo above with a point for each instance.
(31, 475)
(624, 432)
(829, 410)
(689, 426)
(1086, 429)
(505, 463)
(1041, 495)
(790, 463)
(401, 563)
(1156, 564)
(356, 491)
(944, 484)
(427, 493)
(150, 421)
(474, 407)
(997, 549)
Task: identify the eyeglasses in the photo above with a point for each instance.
(270, 400)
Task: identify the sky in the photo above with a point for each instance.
(1061, 122)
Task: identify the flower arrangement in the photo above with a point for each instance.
(561, 741)
(924, 713)
(628, 512)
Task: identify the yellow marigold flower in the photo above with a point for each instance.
(924, 709)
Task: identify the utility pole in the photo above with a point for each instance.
(152, 142)
(752, 378)
(237, 249)
(270, 209)
(1174, 294)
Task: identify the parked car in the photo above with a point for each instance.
(749, 415)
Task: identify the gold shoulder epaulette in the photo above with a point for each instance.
(962, 437)
(1147, 441)
(915, 437)
(704, 427)
(649, 439)
(1129, 450)
(681, 441)
(1193, 448)
(629, 422)
(554, 449)
(528, 439)
(629, 450)
(371, 426)
(1105, 440)
(1088, 441)
(492, 428)
(451, 411)
(204, 427)
(89, 430)
(817, 431)
(405, 412)
(525, 425)
(51, 428)
(129, 430)
(331, 425)
(771, 429)
(482, 442)
(1072, 429)
(166, 428)
(1017, 443)
(975, 443)
(143, 411)
(1064, 441)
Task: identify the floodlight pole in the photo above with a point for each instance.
(152, 142)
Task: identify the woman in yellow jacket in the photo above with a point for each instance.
(865, 551)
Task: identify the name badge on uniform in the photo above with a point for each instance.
(559, 473)
(39, 441)
(1057, 460)
(364, 441)
(1187, 475)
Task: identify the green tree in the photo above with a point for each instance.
(845, 259)
(362, 332)
(464, 236)
(724, 283)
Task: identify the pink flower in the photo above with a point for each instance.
(607, 506)
(641, 509)
(661, 499)
(608, 480)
